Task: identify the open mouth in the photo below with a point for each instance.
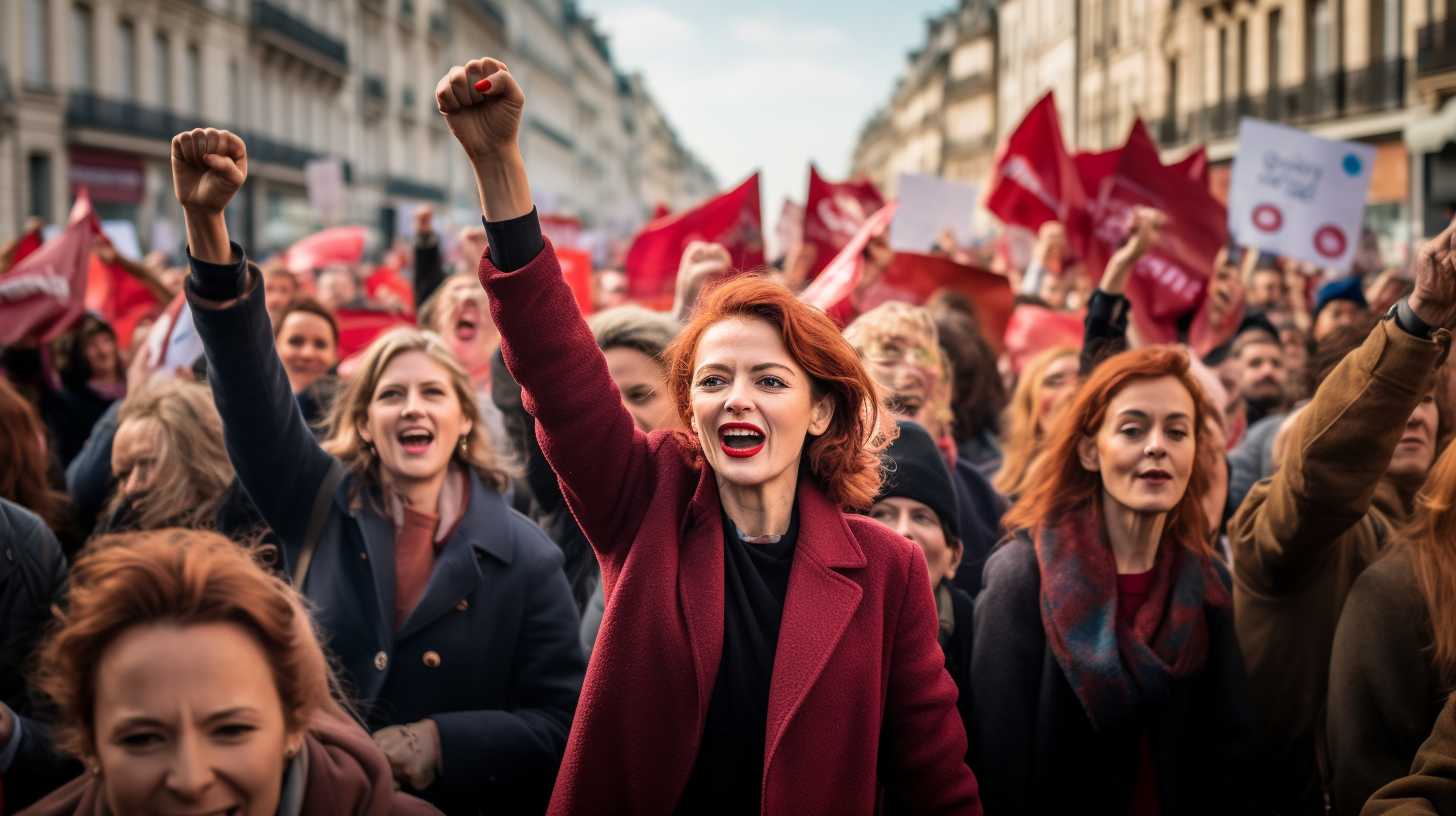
(740, 439)
(415, 441)
(467, 324)
(1156, 477)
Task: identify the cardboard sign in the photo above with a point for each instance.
(1299, 195)
(928, 207)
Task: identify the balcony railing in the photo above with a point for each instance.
(273, 18)
(86, 110)
(1436, 47)
(1376, 88)
(409, 188)
(970, 148)
(488, 8)
(968, 85)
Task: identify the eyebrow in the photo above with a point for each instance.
(1133, 413)
(397, 384)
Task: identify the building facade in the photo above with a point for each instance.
(92, 90)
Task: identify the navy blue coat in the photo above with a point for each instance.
(490, 653)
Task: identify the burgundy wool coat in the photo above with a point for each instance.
(860, 706)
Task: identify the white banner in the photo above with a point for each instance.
(929, 206)
(1298, 195)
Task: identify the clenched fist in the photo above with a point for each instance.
(482, 105)
(1434, 298)
(209, 166)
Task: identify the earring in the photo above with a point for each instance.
(464, 445)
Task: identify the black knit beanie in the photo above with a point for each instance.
(915, 469)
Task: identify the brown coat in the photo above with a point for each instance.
(1301, 539)
(1431, 786)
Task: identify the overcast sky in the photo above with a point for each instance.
(755, 84)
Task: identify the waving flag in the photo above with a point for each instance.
(833, 213)
(733, 219)
(44, 294)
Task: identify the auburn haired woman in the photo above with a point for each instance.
(1105, 670)
(1394, 658)
(189, 680)
(761, 651)
(307, 337)
(449, 613)
(1046, 383)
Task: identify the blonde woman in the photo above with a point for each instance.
(1046, 383)
(449, 612)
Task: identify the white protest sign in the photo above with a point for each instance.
(324, 179)
(123, 235)
(928, 206)
(1299, 195)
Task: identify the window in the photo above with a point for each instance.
(126, 52)
(162, 49)
(1243, 57)
(1384, 30)
(235, 94)
(1321, 38)
(83, 46)
(1276, 47)
(38, 43)
(38, 174)
(1171, 105)
(1222, 65)
(194, 79)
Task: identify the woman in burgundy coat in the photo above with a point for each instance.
(761, 651)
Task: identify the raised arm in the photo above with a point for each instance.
(1105, 328)
(276, 457)
(1341, 444)
(602, 460)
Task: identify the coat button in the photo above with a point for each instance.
(432, 659)
(462, 606)
(381, 661)
(363, 556)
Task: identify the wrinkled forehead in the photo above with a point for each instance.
(743, 342)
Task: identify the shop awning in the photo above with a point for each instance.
(1430, 134)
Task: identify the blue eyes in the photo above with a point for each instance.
(768, 381)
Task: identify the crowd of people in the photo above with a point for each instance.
(745, 556)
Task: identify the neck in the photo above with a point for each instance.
(1133, 536)
(421, 495)
(761, 509)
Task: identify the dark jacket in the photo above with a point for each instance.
(957, 640)
(429, 267)
(1033, 747)
(979, 509)
(1385, 694)
(1430, 787)
(32, 572)
(859, 700)
(490, 653)
(1301, 538)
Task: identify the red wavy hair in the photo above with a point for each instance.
(844, 460)
(1059, 485)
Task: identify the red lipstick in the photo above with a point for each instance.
(755, 437)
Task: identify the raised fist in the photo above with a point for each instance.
(1434, 298)
(482, 105)
(209, 166)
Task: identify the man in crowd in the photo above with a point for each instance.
(1266, 291)
(1263, 379)
(1338, 303)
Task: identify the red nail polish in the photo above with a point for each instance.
(483, 85)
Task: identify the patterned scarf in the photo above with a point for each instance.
(1116, 670)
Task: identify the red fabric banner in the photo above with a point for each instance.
(27, 244)
(359, 327)
(344, 245)
(576, 267)
(833, 213)
(913, 278)
(1036, 179)
(842, 276)
(1033, 329)
(44, 294)
(732, 219)
(118, 298)
(385, 285)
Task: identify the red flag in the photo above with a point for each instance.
(833, 213)
(28, 243)
(1036, 180)
(118, 298)
(576, 267)
(913, 278)
(1033, 329)
(1195, 166)
(732, 219)
(334, 245)
(359, 327)
(840, 278)
(385, 285)
(44, 294)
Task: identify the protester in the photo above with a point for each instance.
(918, 501)
(92, 376)
(711, 523)
(25, 475)
(280, 288)
(1265, 291)
(1394, 653)
(1338, 303)
(189, 680)
(1106, 668)
(1262, 375)
(1046, 384)
(1430, 787)
(460, 314)
(306, 336)
(609, 289)
(978, 396)
(449, 614)
(901, 350)
(1346, 480)
(336, 288)
(31, 575)
(429, 265)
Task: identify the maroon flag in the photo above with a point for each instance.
(45, 293)
(732, 219)
(833, 213)
(1036, 179)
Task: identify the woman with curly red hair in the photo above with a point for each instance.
(1105, 668)
(761, 651)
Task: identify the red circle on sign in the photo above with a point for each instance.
(1330, 241)
(1267, 218)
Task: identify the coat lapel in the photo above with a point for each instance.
(457, 573)
(379, 543)
(700, 584)
(819, 606)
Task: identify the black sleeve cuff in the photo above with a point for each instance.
(514, 242)
(219, 281)
(1108, 308)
